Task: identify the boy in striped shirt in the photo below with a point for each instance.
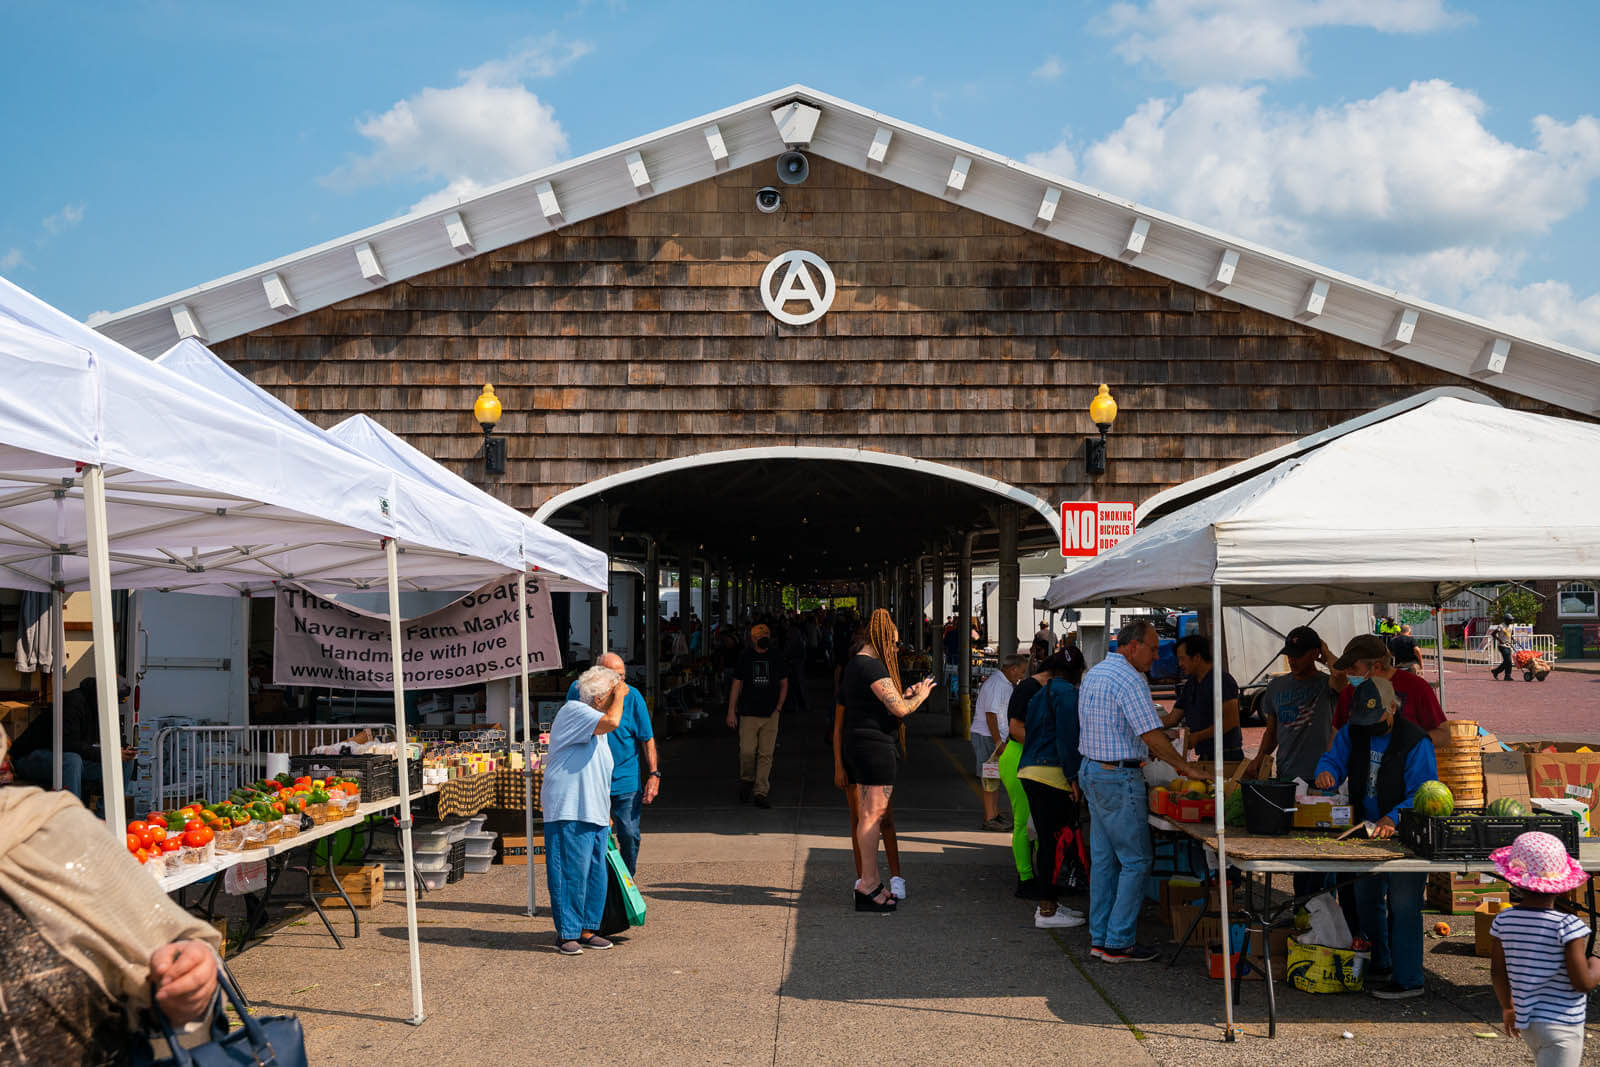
(1542, 971)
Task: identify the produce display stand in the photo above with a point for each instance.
(1351, 858)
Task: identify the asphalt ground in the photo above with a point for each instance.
(752, 954)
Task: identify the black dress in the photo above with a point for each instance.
(870, 753)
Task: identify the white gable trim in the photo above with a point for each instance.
(991, 184)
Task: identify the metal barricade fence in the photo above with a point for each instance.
(208, 762)
(1482, 653)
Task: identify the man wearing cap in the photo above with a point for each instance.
(1299, 709)
(1505, 643)
(1368, 656)
(760, 685)
(1385, 758)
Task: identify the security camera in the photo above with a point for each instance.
(768, 200)
(793, 168)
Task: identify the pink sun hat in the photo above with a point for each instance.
(1538, 863)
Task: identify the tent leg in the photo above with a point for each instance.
(105, 653)
(1222, 839)
(58, 667)
(527, 736)
(403, 761)
(1438, 648)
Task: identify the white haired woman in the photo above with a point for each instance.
(576, 799)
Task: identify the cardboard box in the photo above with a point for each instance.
(1460, 894)
(1208, 932)
(1482, 918)
(1505, 774)
(514, 849)
(1565, 772)
(1322, 815)
(1175, 891)
(1278, 944)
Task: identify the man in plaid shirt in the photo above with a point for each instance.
(1119, 729)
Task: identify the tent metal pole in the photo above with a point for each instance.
(403, 761)
(527, 733)
(1105, 645)
(1438, 648)
(1221, 822)
(58, 667)
(105, 652)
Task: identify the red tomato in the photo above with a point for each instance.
(134, 844)
(158, 834)
(192, 824)
(171, 844)
(199, 837)
(156, 818)
(142, 856)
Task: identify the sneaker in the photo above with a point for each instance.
(1394, 991)
(1097, 952)
(746, 791)
(897, 887)
(1061, 918)
(1379, 974)
(595, 941)
(1131, 954)
(994, 824)
(762, 801)
(570, 948)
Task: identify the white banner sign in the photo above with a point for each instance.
(319, 642)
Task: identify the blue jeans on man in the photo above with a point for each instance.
(626, 809)
(1390, 906)
(575, 871)
(1120, 851)
(76, 772)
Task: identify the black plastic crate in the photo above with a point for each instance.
(1440, 837)
(375, 775)
(1498, 831)
(458, 862)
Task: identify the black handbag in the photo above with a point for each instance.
(271, 1041)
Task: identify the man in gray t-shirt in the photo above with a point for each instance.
(1299, 708)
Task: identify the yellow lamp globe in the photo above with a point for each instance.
(1103, 409)
(487, 408)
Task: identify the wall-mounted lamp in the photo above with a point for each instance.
(487, 411)
(1102, 412)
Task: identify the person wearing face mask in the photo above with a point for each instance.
(1385, 758)
(1368, 657)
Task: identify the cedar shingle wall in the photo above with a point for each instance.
(640, 336)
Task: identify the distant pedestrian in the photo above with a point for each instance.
(1505, 642)
(1049, 772)
(1404, 649)
(576, 798)
(1119, 730)
(1541, 969)
(760, 685)
(852, 794)
(875, 706)
(990, 725)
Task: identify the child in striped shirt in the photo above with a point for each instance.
(1542, 971)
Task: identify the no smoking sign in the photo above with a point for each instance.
(1092, 527)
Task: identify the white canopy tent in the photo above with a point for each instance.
(115, 472)
(583, 567)
(1497, 495)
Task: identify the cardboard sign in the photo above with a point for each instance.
(1089, 528)
(319, 642)
(1574, 775)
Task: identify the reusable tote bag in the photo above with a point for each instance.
(632, 899)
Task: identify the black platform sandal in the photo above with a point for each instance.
(867, 901)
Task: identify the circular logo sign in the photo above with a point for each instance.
(796, 274)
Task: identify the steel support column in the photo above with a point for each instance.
(1010, 583)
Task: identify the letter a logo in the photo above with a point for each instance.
(798, 286)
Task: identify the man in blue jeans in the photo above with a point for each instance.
(1120, 728)
(632, 740)
(80, 742)
(1385, 758)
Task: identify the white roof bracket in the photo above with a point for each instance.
(638, 173)
(456, 229)
(1492, 360)
(718, 149)
(879, 149)
(1222, 277)
(797, 122)
(278, 296)
(1047, 208)
(187, 323)
(957, 180)
(1402, 329)
(1315, 300)
(1136, 237)
(367, 260)
(549, 206)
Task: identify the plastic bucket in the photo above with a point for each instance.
(1269, 807)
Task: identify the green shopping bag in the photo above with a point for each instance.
(632, 899)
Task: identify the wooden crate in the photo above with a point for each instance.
(363, 885)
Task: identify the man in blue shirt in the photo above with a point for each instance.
(1385, 759)
(632, 740)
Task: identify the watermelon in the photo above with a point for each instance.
(1508, 806)
(1433, 798)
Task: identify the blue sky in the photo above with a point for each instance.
(1448, 148)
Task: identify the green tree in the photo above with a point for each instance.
(1522, 605)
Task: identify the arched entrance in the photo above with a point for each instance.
(746, 521)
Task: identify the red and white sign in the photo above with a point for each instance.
(1089, 528)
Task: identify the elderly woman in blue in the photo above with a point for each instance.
(576, 799)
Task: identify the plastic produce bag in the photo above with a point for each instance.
(1328, 927)
(245, 878)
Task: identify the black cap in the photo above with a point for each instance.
(1301, 639)
(1372, 698)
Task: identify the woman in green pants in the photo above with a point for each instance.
(1021, 847)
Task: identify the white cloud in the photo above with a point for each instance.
(69, 216)
(11, 259)
(486, 130)
(1204, 42)
(97, 317)
(1049, 70)
(1407, 188)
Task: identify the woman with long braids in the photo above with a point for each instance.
(874, 705)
